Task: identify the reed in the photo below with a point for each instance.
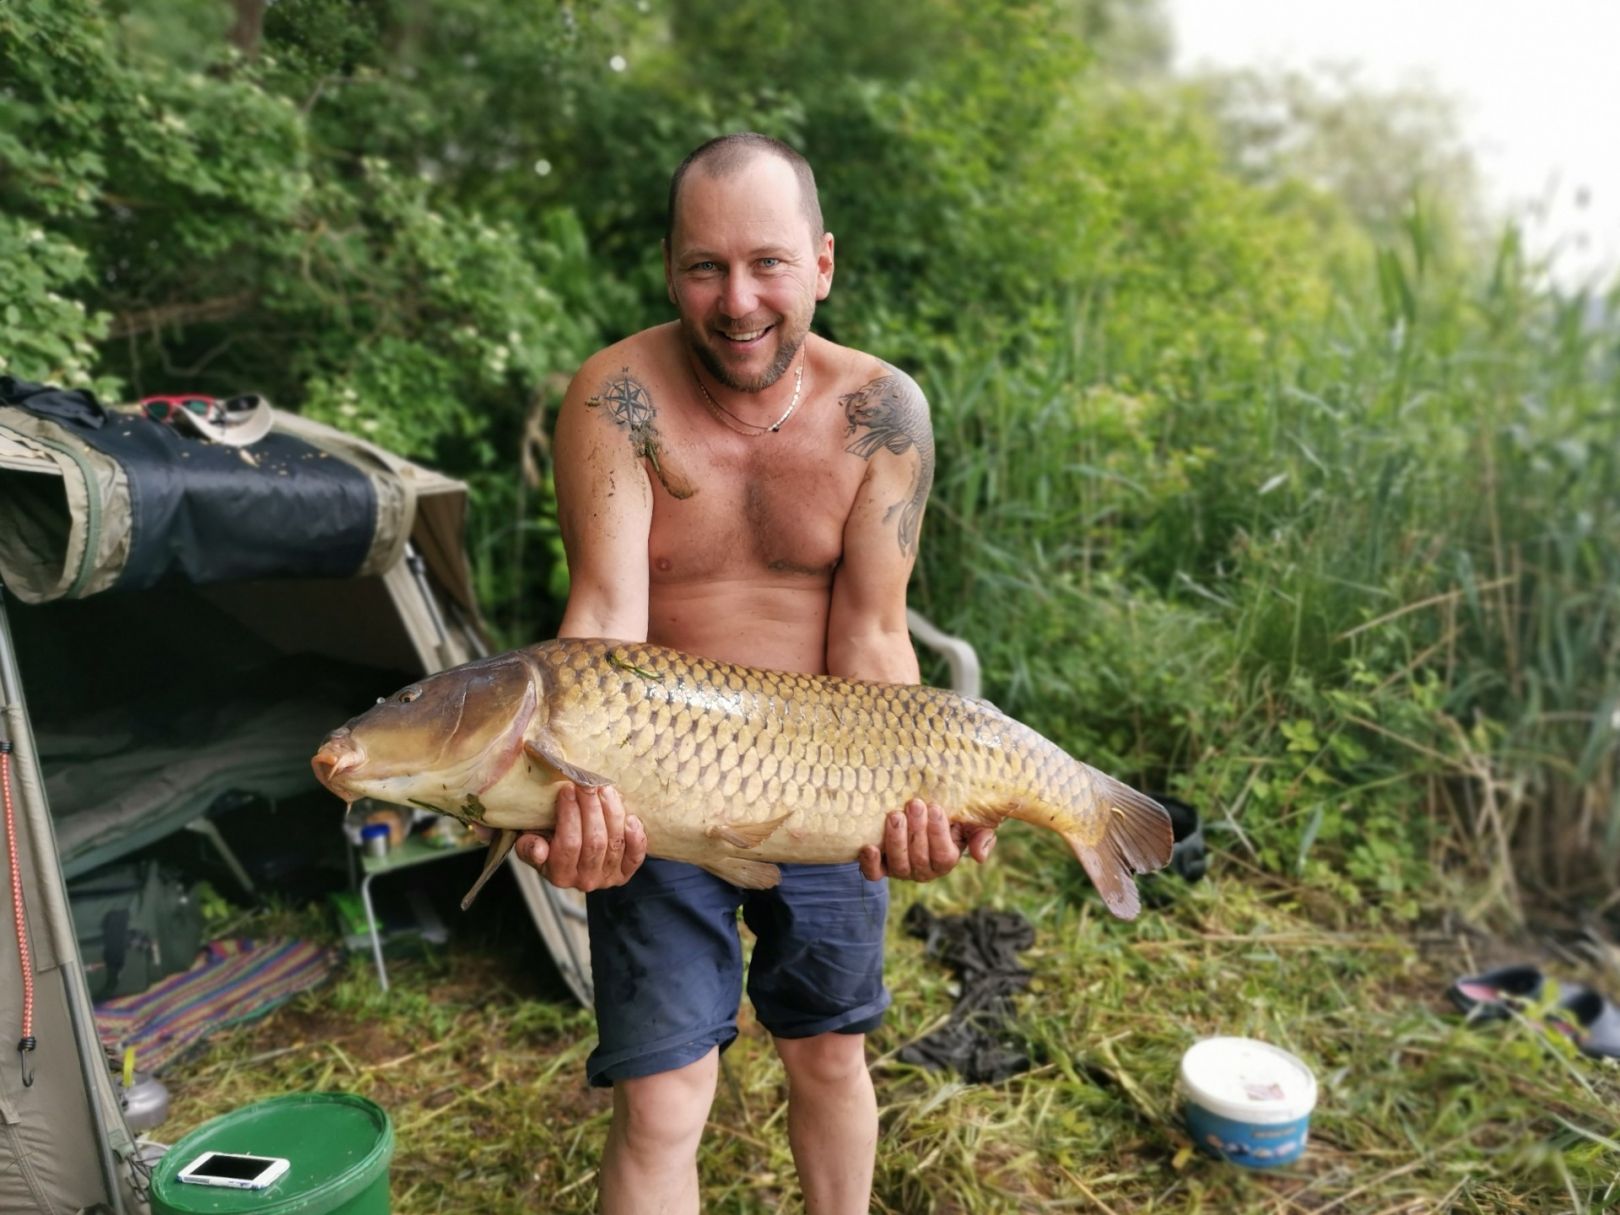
(1361, 607)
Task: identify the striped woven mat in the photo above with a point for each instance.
(231, 981)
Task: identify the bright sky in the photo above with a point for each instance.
(1538, 82)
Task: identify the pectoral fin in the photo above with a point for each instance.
(747, 835)
(751, 875)
(544, 751)
(499, 846)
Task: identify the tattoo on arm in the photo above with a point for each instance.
(630, 406)
(893, 415)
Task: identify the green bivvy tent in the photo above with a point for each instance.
(181, 620)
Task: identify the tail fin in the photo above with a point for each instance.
(1137, 838)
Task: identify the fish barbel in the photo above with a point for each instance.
(730, 768)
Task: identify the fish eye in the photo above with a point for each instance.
(408, 695)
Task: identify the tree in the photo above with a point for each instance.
(1372, 150)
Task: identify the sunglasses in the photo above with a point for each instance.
(229, 412)
(169, 409)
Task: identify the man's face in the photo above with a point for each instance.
(744, 271)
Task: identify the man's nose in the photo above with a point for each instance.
(741, 295)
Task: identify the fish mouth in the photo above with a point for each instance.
(339, 754)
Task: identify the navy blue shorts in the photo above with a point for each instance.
(667, 962)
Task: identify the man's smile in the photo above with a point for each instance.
(746, 337)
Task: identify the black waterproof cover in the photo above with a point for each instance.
(211, 513)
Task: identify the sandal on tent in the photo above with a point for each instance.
(1589, 1019)
(1485, 997)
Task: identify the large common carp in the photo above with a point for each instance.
(728, 767)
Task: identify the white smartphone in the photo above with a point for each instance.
(234, 1170)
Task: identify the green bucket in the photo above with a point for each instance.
(338, 1146)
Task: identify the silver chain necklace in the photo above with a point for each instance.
(755, 429)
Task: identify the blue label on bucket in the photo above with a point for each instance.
(1253, 1145)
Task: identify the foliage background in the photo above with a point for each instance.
(1268, 473)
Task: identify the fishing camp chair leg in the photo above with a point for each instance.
(960, 656)
(371, 927)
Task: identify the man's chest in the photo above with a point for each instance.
(730, 505)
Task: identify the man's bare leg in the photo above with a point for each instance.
(832, 1121)
(649, 1166)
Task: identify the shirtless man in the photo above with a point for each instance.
(734, 486)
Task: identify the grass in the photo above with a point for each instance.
(479, 1061)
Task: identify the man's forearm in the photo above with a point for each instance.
(596, 620)
(883, 656)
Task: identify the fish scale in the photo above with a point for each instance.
(597, 704)
(728, 767)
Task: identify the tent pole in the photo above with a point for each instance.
(42, 837)
(418, 568)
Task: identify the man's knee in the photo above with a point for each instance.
(824, 1061)
(665, 1113)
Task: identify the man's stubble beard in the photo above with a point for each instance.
(785, 354)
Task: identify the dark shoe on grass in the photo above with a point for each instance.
(1188, 856)
(1485, 997)
(1588, 1018)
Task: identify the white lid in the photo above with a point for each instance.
(1248, 1081)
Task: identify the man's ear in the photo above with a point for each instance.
(824, 266)
(669, 272)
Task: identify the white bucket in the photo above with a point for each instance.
(1247, 1101)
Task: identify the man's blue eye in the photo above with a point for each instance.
(770, 263)
(703, 266)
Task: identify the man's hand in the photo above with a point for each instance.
(593, 845)
(922, 844)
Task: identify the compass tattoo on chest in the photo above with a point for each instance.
(891, 415)
(627, 402)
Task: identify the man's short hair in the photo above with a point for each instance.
(729, 154)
